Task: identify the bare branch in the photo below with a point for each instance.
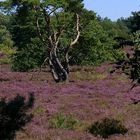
(39, 31)
(58, 33)
(78, 32)
(52, 11)
(77, 37)
(72, 44)
(38, 26)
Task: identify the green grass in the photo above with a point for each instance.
(62, 121)
(39, 110)
(93, 76)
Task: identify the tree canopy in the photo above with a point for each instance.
(60, 32)
(6, 43)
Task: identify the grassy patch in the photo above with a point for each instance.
(120, 116)
(39, 110)
(5, 60)
(132, 110)
(89, 76)
(63, 121)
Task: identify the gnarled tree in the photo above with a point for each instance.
(51, 14)
(58, 28)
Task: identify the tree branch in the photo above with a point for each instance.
(39, 31)
(47, 20)
(78, 32)
(58, 33)
(52, 11)
(72, 44)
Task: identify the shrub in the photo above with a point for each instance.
(14, 115)
(28, 57)
(135, 70)
(107, 127)
(63, 121)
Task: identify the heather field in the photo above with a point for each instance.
(66, 72)
(34, 107)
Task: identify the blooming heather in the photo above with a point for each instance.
(88, 100)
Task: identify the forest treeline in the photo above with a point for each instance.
(100, 40)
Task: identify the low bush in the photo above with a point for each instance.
(107, 127)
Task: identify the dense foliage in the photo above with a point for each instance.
(107, 127)
(96, 43)
(131, 65)
(115, 29)
(133, 22)
(6, 43)
(30, 52)
(135, 61)
(13, 116)
(95, 46)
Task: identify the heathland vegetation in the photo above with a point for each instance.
(93, 62)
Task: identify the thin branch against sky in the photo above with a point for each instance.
(113, 9)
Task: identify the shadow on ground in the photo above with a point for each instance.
(13, 116)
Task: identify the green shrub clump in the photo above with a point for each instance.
(107, 127)
(63, 121)
(135, 61)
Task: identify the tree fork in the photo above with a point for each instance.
(59, 71)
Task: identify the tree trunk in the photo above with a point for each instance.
(59, 73)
